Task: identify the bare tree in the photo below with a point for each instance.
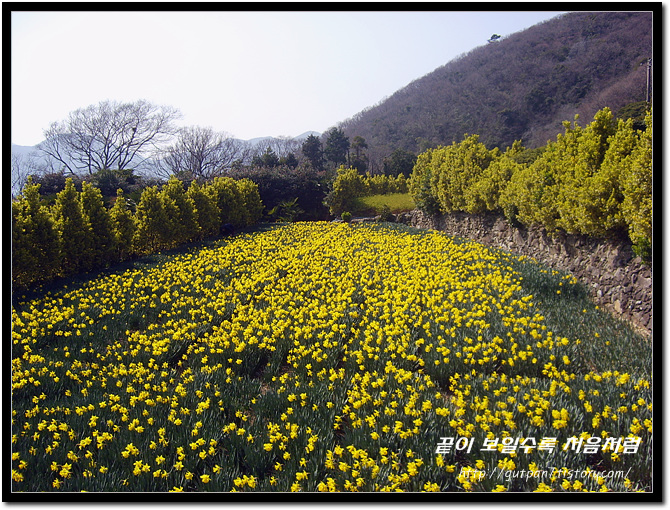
(22, 167)
(284, 145)
(200, 153)
(109, 135)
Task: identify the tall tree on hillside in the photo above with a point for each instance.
(313, 151)
(337, 146)
(109, 135)
(359, 159)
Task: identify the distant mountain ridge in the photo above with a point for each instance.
(520, 87)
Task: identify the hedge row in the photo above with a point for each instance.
(594, 180)
(78, 233)
(349, 184)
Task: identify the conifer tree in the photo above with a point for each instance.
(637, 190)
(420, 183)
(123, 226)
(35, 241)
(229, 202)
(101, 226)
(180, 213)
(484, 193)
(74, 230)
(152, 226)
(601, 196)
(580, 153)
(206, 210)
(251, 201)
(462, 165)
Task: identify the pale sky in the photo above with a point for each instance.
(250, 74)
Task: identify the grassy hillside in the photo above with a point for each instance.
(328, 357)
(521, 87)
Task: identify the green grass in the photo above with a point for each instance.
(372, 205)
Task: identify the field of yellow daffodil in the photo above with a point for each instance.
(328, 357)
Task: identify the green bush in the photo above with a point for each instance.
(182, 224)
(102, 235)
(35, 242)
(441, 180)
(282, 184)
(78, 233)
(485, 192)
(386, 214)
(348, 185)
(229, 201)
(75, 232)
(636, 184)
(123, 226)
(251, 202)
(153, 229)
(206, 210)
(421, 181)
(594, 180)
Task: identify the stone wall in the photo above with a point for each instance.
(617, 279)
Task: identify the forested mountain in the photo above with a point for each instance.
(517, 87)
